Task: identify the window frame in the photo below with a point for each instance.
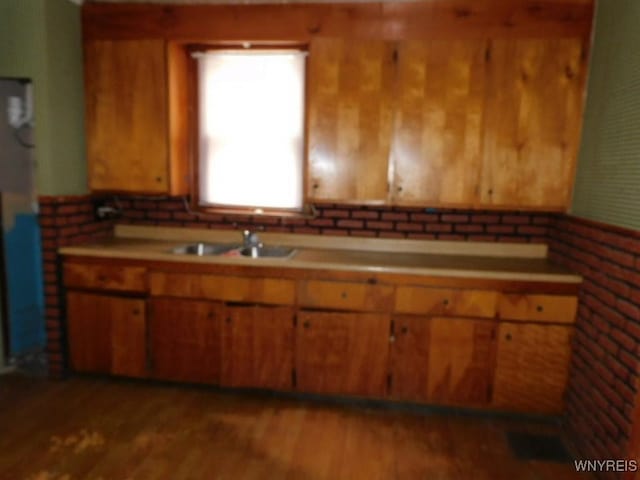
(192, 51)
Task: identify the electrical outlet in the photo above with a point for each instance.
(103, 211)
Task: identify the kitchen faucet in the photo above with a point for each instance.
(250, 239)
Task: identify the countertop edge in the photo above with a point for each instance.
(292, 263)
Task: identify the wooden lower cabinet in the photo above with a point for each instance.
(185, 340)
(342, 353)
(442, 360)
(107, 334)
(257, 347)
(532, 367)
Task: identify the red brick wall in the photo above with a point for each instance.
(63, 221)
(383, 222)
(605, 368)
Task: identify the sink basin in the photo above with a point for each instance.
(201, 249)
(267, 251)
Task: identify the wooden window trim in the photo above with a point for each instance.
(307, 210)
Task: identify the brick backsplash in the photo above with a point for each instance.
(603, 382)
(332, 219)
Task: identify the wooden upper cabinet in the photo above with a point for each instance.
(436, 148)
(133, 142)
(533, 118)
(350, 90)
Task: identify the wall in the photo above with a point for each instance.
(601, 396)
(41, 40)
(608, 178)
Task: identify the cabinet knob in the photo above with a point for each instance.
(158, 179)
(508, 336)
(343, 294)
(445, 302)
(490, 191)
(404, 330)
(306, 324)
(539, 308)
(316, 186)
(135, 311)
(399, 188)
(210, 315)
(228, 319)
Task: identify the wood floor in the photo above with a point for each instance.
(85, 428)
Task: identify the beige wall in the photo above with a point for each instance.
(607, 185)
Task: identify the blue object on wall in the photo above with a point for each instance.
(25, 285)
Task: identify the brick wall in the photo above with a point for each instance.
(63, 221)
(604, 376)
(385, 222)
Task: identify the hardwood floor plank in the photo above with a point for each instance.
(108, 429)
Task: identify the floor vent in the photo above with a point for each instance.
(531, 446)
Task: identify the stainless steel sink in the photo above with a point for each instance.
(201, 249)
(261, 251)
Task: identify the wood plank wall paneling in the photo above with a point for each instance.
(301, 22)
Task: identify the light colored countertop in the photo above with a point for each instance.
(518, 262)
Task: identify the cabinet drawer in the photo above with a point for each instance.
(274, 291)
(538, 308)
(106, 277)
(345, 295)
(446, 301)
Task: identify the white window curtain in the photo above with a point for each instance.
(251, 128)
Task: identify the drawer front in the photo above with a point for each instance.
(345, 296)
(273, 291)
(446, 301)
(538, 308)
(106, 277)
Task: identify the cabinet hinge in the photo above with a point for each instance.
(294, 377)
(389, 383)
(392, 327)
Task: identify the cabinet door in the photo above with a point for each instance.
(257, 347)
(436, 149)
(532, 367)
(461, 360)
(126, 115)
(349, 119)
(532, 122)
(409, 358)
(344, 353)
(185, 340)
(107, 334)
(442, 360)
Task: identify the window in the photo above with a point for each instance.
(251, 120)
